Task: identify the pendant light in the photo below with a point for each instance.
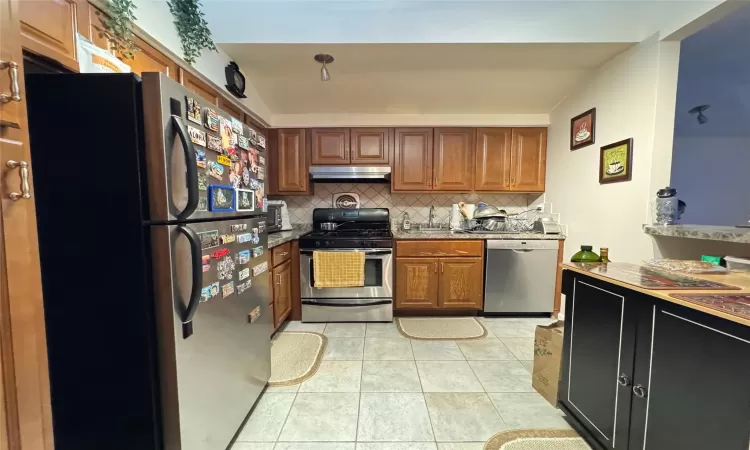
(324, 59)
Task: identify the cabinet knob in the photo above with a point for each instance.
(623, 380)
(639, 391)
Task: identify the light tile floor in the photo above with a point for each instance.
(377, 390)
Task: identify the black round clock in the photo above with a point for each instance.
(235, 80)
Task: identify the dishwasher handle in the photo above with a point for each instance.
(522, 246)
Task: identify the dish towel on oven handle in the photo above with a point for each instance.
(334, 269)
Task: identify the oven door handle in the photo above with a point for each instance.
(346, 305)
(366, 252)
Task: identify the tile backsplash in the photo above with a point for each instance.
(380, 196)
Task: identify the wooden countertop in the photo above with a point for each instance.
(735, 279)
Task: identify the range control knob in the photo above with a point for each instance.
(317, 243)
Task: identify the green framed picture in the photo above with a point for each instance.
(616, 162)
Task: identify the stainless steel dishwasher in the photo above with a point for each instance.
(520, 276)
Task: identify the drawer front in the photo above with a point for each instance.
(439, 248)
(281, 253)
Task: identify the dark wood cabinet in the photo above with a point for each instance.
(528, 165)
(282, 292)
(149, 59)
(642, 373)
(370, 146)
(492, 159)
(417, 283)
(231, 108)
(461, 283)
(203, 90)
(330, 146)
(453, 159)
(412, 165)
(291, 161)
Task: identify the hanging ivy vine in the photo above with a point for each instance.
(116, 27)
(192, 28)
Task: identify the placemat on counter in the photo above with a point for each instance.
(649, 278)
(738, 305)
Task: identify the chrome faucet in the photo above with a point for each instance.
(430, 223)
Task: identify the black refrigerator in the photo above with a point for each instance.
(154, 262)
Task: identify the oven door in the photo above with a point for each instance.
(378, 277)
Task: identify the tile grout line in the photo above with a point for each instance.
(288, 413)
(424, 398)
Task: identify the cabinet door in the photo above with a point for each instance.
(598, 351)
(416, 282)
(193, 83)
(454, 159)
(412, 165)
(292, 161)
(694, 382)
(230, 108)
(492, 159)
(149, 59)
(528, 159)
(370, 146)
(282, 292)
(89, 22)
(461, 283)
(330, 146)
(48, 27)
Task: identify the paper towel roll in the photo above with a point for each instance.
(456, 219)
(470, 207)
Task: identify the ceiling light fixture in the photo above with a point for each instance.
(699, 111)
(324, 59)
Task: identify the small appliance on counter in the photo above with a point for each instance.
(278, 216)
(667, 207)
(546, 225)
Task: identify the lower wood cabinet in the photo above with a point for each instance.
(642, 373)
(282, 283)
(434, 281)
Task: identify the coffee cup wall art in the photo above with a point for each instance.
(583, 129)
(616, 162)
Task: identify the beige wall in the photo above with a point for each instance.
(634, 96)
(408, 120)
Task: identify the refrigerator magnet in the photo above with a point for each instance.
(261, 173)
(265, 204)
(227, 289)
(262, 141)
(223, 160)
(262, 226)
(242, 287)
(212, 120)
(219, 253)
(242, 142)
(244, 238)
(260, 268)
(197, 136)
(261, 160)
(257, 251)
(202, 181)
(202, 204)
(255, 236)
(225, 268)
(254, 314)
(193, 110)
(215, 170)
(243, 257)
(227, 238)
(253, 138)
(244, 273)
(245, 200)
(236, 125)
(209, 239)
(200, 158)
(238, 227)
(210, 291)
(213, 143)
(221, 198)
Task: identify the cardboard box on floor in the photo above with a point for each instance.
(548, 343)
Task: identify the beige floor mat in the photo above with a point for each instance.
(536, 440)
(441, 328)
(295, 357)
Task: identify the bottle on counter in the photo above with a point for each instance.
(586, 255)
(604, 255)
(405, 222)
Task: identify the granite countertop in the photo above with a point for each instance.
(449, 235)
(718, 301)
(282, 237)
(707, 232)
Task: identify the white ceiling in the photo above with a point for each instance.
(419, 78)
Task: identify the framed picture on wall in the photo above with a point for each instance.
(583, 129)
(616, 162)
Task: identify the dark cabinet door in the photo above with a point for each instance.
(330, 146)
(454, 159)
(598, 356)
(412, 165)
(693, 373)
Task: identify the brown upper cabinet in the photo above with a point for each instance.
(48, 27)
(291, 161)
(454, 159)
(149, 59)
(528, 164)
(412, 165)
(193, 83)
(370, 146)
(330, 146)
(492, 159)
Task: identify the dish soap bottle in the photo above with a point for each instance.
(586, 255)
(604, 255)
(406, 223)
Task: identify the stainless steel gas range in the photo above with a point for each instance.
(345, 230)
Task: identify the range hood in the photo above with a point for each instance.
(364, 174)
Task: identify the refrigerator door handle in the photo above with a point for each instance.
(192, 172)
(195, 292)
